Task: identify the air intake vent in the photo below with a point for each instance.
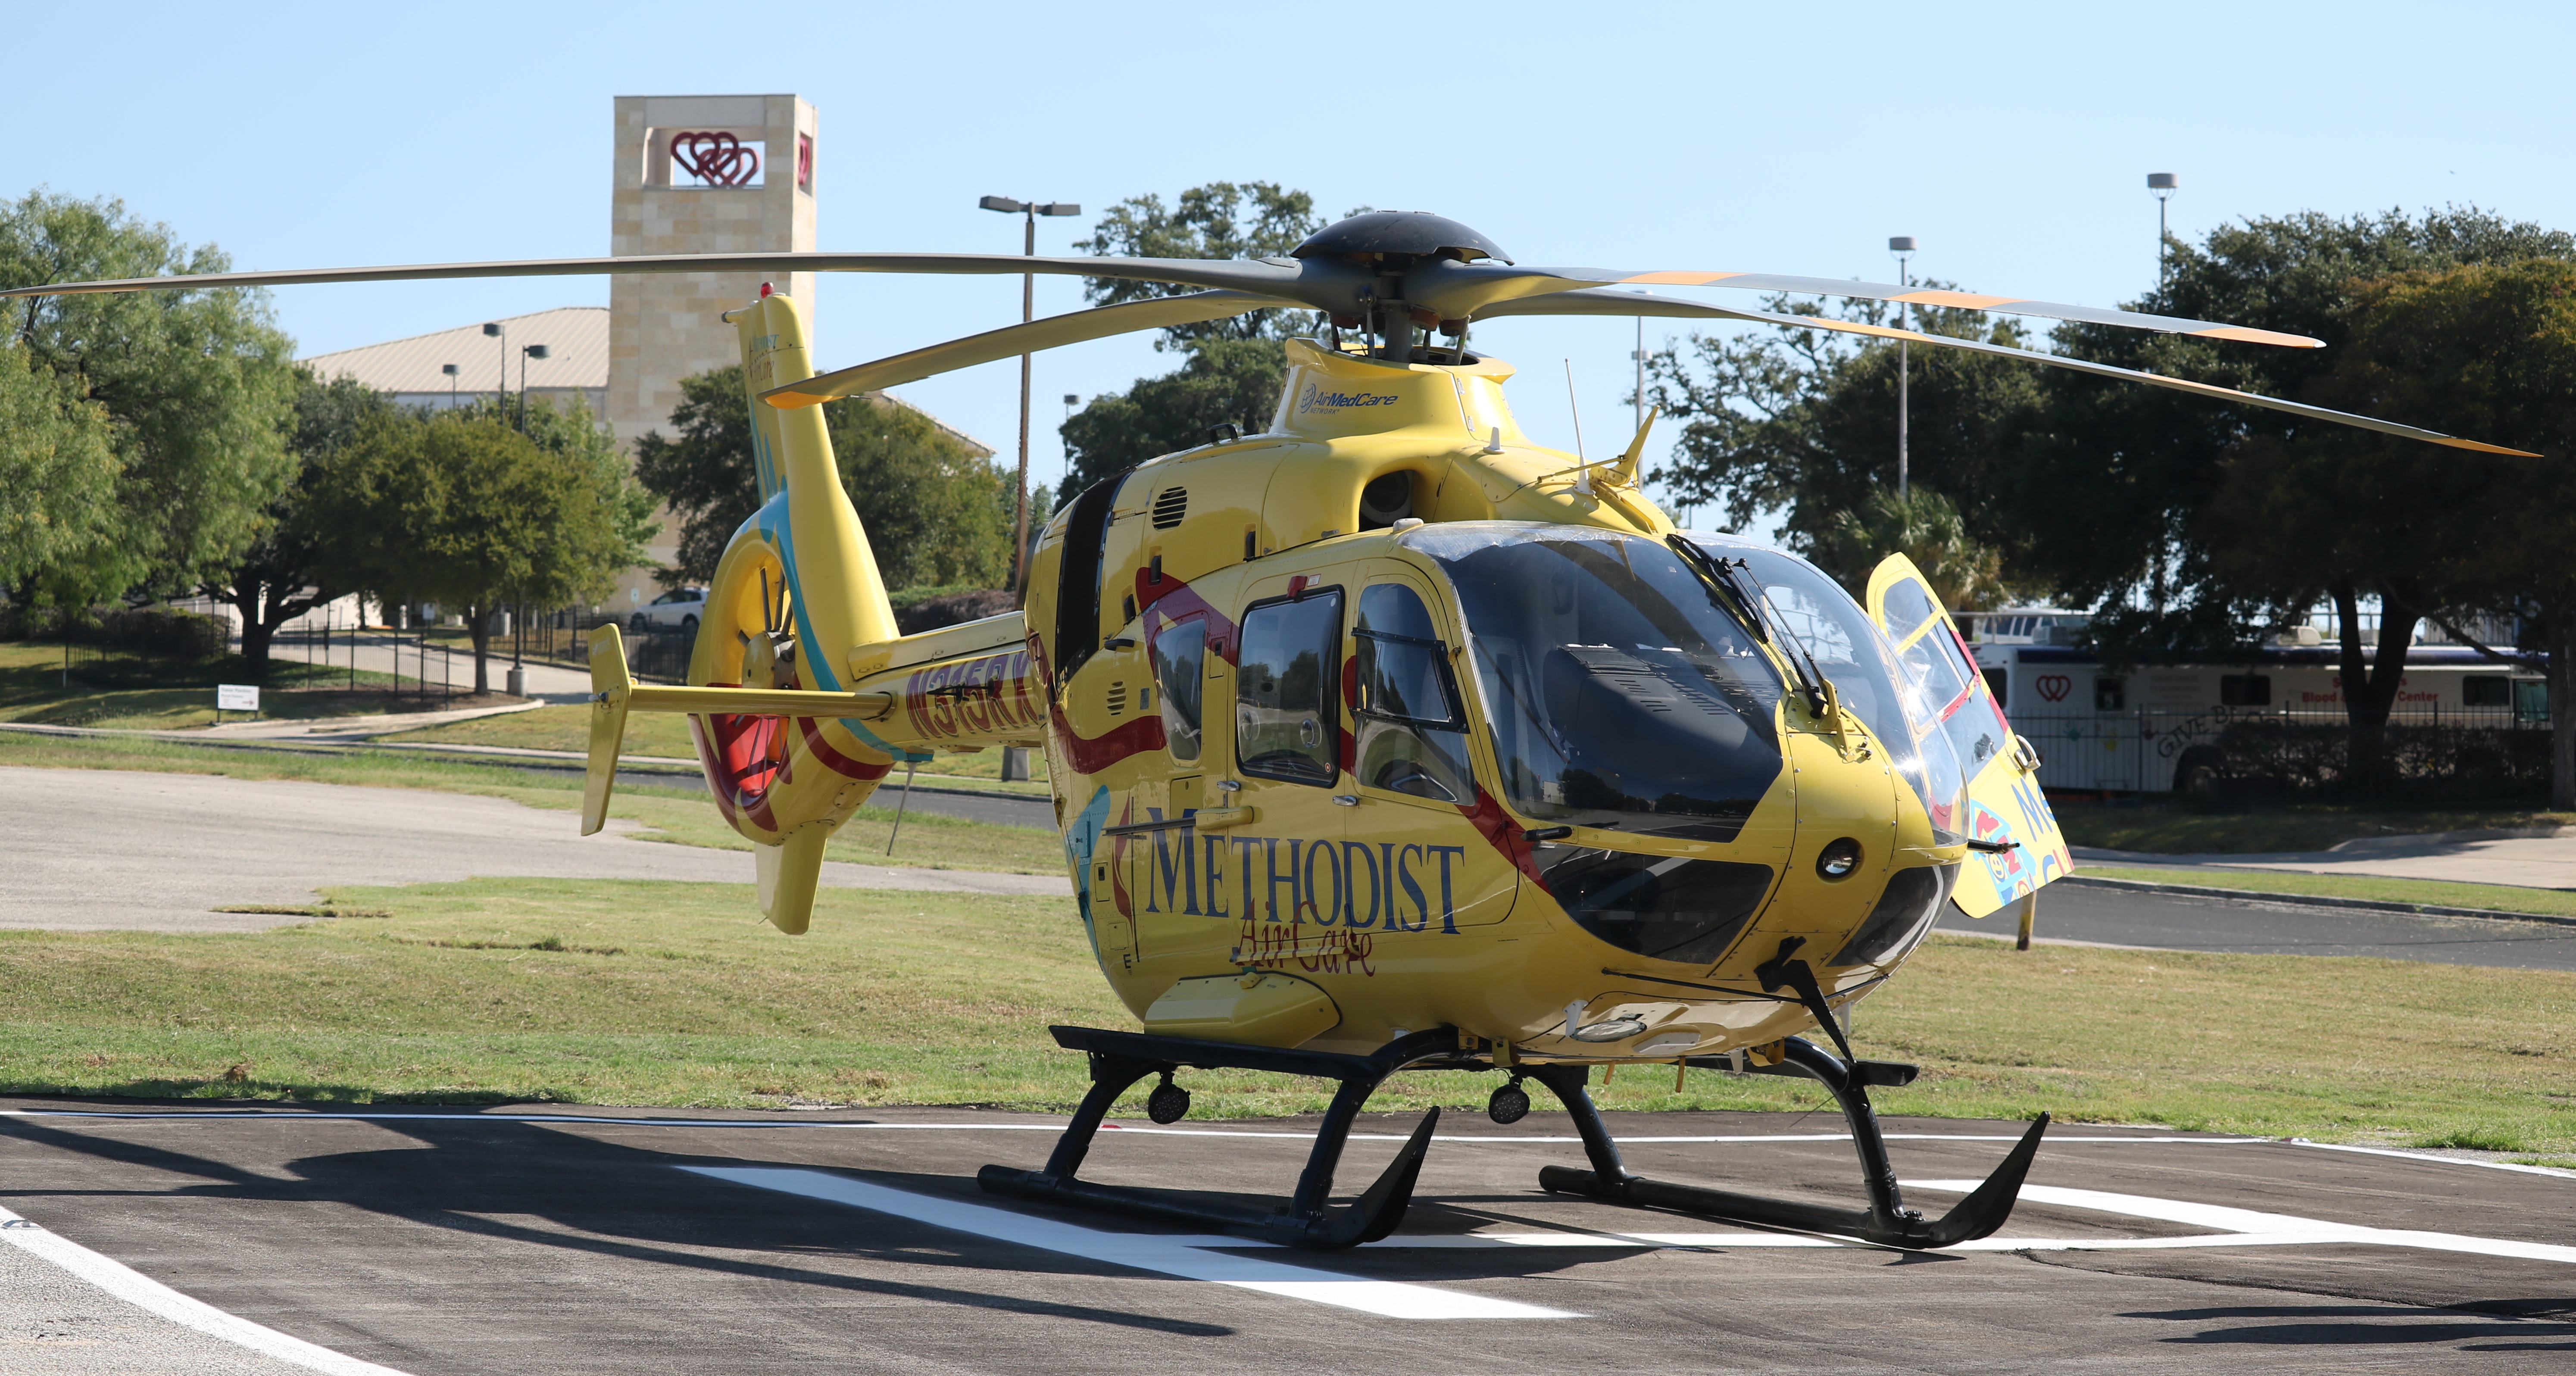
(1118, 698)
(1170, 507)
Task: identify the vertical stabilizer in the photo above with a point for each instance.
(838, 600)
(789, 872)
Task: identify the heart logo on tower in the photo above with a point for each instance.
(716, 158)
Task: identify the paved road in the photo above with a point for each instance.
(108, 849)
(2186, 922)
(2536, 857)
(438, 1243)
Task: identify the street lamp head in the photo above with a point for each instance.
(1902, 243)
(1003, 204)
(535, 351)
(447, 369)
(1058, 208)
(1070, 399)
(2162, 181)
(491, 330)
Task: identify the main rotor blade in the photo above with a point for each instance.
(1472, 289)
(1053, 332)
(1237, 274)
(1594, 301)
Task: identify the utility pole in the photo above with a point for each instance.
(2161, 185)
(501, 332)
(1902, 246)
(1028, 311)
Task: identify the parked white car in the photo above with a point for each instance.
(680, 607)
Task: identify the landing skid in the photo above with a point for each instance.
(1886, 1221)
(1306, 1219)
(1120, 1059)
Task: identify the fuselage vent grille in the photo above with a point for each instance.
(1170, 507)
(1118, 698)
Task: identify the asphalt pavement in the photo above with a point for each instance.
(611, 1241)
(2255, 926)
(95, 849)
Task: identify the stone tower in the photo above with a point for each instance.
(697, 174)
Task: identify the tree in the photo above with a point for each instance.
(2112, 484)
(937, 514)
(279, 577)
(1803, 422)
(1226, 381)
(2489, 352)
(197, 385)
(58, 471)
(1209, 221)
(1925, 527)
(461, 508)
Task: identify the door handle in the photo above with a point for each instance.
(1347, 799)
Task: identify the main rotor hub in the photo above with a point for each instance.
(1400, 235)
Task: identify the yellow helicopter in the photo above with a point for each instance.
(1386, 737)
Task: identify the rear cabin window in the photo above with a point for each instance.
(1287, 710)
(2486, 690)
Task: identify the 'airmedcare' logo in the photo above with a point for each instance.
(1315, 397)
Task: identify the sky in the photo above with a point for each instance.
(2012, 141)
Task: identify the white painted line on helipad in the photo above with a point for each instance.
(143, 1292)
(2282, 1228)
(1141, 1251)
(2404, 1155)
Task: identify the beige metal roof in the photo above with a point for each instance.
(576, 340)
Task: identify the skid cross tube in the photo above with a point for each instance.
(1120, 1059)
(1886, 1221)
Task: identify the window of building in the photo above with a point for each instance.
(1287, 712)
(2245, 690)
(2110, 694)
(1997, 680)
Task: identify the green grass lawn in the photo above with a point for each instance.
(680, 812)
(2165, 828)
(119, 690)
(564, 727)
(650, 993)
(2438, 893)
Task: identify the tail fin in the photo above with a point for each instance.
(789, 872)
(838, 599)
(610, 688)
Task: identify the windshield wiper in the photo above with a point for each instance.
(1752, 606)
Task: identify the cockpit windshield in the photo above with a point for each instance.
(1619, 690)
(1856, 655)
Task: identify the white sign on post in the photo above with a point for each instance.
(236, 697)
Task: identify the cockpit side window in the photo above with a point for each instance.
(1287, 712)
(1180, 673)
(1412, 730)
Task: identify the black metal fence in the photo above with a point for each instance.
(2257, 752)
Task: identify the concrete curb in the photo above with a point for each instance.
(2305, 900)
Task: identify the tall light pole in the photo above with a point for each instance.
(1902, 246)
(1639, 354)
(495, 330)
(450, 370)
(537, 351)
(1028, 311)
(2161, 185)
